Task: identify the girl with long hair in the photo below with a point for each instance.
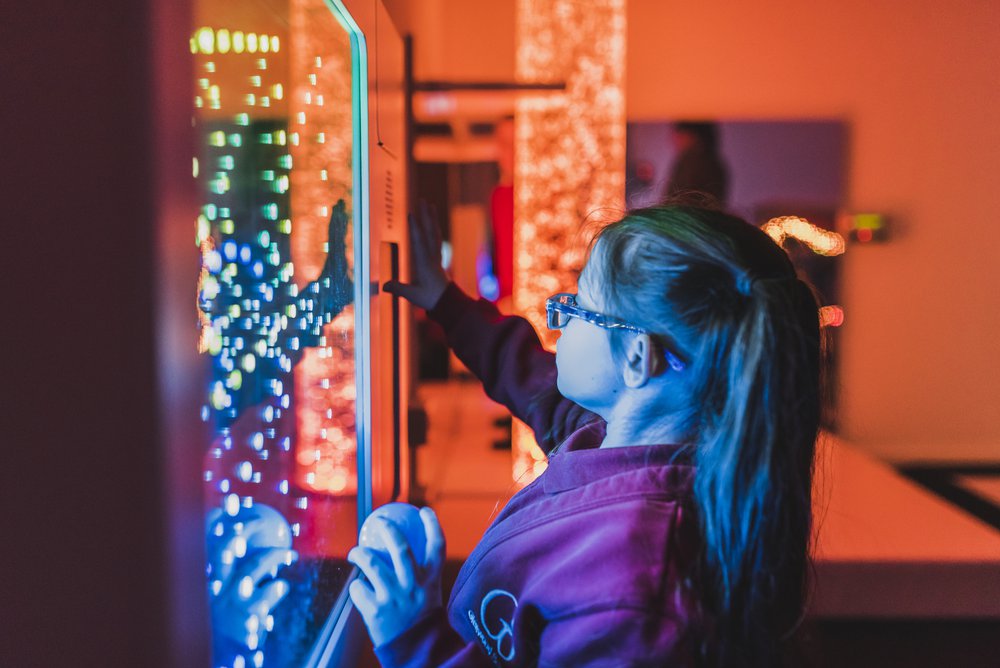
(679, 415)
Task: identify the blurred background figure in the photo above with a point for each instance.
(698, 166)
(502, 214)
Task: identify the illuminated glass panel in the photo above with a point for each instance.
(276, 114)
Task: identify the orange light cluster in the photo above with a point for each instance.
(320, 143)
(569, 157)
(817, 239)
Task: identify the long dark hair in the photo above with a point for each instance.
(727, 299)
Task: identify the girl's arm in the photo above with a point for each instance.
(505, 354)
(502, 351)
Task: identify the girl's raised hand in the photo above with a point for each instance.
(429, 279)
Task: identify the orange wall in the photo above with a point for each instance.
(458, 40)
(917, 83)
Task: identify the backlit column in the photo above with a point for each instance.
(569, 173)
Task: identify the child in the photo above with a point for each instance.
(679, 415)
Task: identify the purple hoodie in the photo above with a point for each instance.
(582, 567)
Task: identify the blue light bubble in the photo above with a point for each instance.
(229, 249)
(258, 269)
(245, 253)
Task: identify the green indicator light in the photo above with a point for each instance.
(236, 139)
(211, 211)
(227, 226)
(281, 184)
(227, 162)
(266, 138)
(243, 119)
(267, 175)
(217, 138)
(285, 226)
(271, 211)
(264, 238)
(285, 161)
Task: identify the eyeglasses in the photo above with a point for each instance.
(560, 308)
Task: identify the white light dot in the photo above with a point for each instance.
(216, 587)
(244, 471)
(232, 505)
(240, 547)
(246, 587)
(258, 659)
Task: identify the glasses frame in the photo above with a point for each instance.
(565, 303)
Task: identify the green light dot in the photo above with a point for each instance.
(267, 175)
(211, 211)
(236, 139)
(285, 161)
(227, 162)
(285, 226)
(217, 138)
(243, 119)
(271, 211)
(227, 226)
(264, 238)
(235, 379)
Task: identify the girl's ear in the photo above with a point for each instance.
(643, 360)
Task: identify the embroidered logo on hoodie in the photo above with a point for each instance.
(495, 624)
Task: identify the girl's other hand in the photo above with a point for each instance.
(429, 279)
(397, 594)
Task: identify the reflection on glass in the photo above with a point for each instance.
(273, 116)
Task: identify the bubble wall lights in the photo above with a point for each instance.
(569, 156)
(325, 380)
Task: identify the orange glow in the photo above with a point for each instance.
(569, 156)
(817, 239)
(831, 316)
(326, 448)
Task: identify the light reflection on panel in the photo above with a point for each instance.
(273, 117)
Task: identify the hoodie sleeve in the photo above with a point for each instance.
(505, 354)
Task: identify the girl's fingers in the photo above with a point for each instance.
(435, 550)
(400, 552)
(363, 597)
(375, 570)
